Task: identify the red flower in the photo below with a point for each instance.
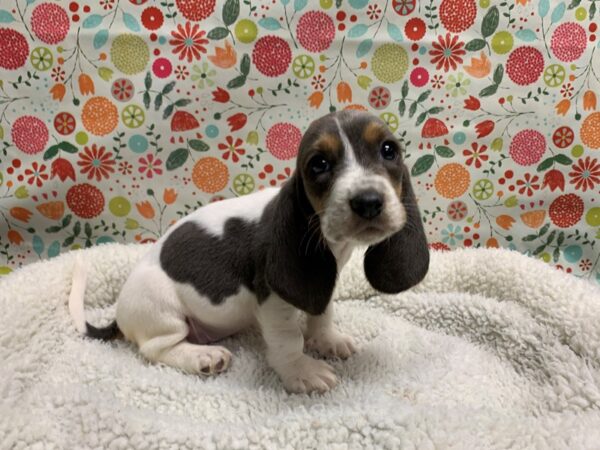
(36, 174)
(150, 165)
(63, 169)
(232, 149)
(189, 41)
(472, 103)
(220, 95)
(529, 184)
(585, 174)
(447, 53)
(476, 155)
(181, 72)
(484, 128)
(237, 121)
(96, 162)
(554, 179)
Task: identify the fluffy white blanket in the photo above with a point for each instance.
(493, 350)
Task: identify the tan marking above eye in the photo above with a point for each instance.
(329, 143)
(373, 133)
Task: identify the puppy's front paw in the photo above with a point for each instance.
(332, 343)
(213, 359)
(307, 375)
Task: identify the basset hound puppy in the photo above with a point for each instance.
(266, 257)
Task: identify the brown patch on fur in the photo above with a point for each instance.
(329, 143)
(373, 133)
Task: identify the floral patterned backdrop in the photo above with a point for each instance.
(117, 117)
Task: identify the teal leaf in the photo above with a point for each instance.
(422, 165)
(395, 32)
(543, 8)
(269, 23)
(38, 245)
(490, 22)
(558, 12)
(100, 39)
(6, 17)
(104, 240)
(53, 249)
(29, 2)
(358, 4)
(92, 21)
(526, 35)
(299, 4)
(177, 158)
(475, 45)
(357, 30)
(131, 22)
(364, 47)
(231, 11)
(285, 2)
(217, 33)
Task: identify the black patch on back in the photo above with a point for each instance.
(215, 266)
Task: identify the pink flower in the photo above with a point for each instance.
(150, 165)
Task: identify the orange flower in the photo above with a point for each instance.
(145, 209)
(169, 196)
(15, 237)
(315, 99)
(589, 100)
(344, 92)
(522, 2)
(505, 221)
(21, 214)
(563, 106)
(223, 57)
(479, 68)
(86, 85)
(492, 243)
(58, 91)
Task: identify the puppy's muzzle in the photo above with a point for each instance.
(367, 204)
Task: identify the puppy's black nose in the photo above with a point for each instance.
(367, 204)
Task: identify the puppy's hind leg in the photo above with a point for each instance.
(150, 313)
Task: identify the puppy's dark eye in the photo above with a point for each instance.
(318, 165)
(389, 151)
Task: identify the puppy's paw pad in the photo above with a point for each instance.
(308, 375)
(332, 343)
(214, 360)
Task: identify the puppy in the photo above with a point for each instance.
(266, 257)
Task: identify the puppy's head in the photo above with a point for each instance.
(352, 170)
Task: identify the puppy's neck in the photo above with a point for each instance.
(342, 252)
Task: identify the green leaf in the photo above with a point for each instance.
(556, 254)
(245, 65)
(168, 111)
(231, 11)
(421, 118)
(551, 237)
(198, 145)
(69, 241)
(475, 45)
(402, 107)
(67, 147)
(444, 152)
(218, 33)
(182, 102)
(88, 230)
(77, 228)
(435, 110)
(147, 100)
(66, 220)
(412, 110)
(177, 158)
(423, 96)
(544, 229)
(563, 159)
(51, 152)
(545, 164)
(405, 89)
(237, 82)
(498, 74)
(487, 91)
(53, 229)
(490, 22)
(158, 102)
(148, 81)
(530, 237)
(561, 238)
(574, 4)
(167, 88)
(539, 250)
(422, 165)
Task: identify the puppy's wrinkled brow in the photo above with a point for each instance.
(373, 133)
(329, 143)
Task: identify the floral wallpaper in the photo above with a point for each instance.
(117, 117)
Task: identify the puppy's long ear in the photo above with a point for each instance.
(402, 260)
(299, 266)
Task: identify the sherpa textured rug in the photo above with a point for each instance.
(493, 350)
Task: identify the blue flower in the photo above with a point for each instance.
(452, 234)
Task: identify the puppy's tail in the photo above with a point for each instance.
(76, 306)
